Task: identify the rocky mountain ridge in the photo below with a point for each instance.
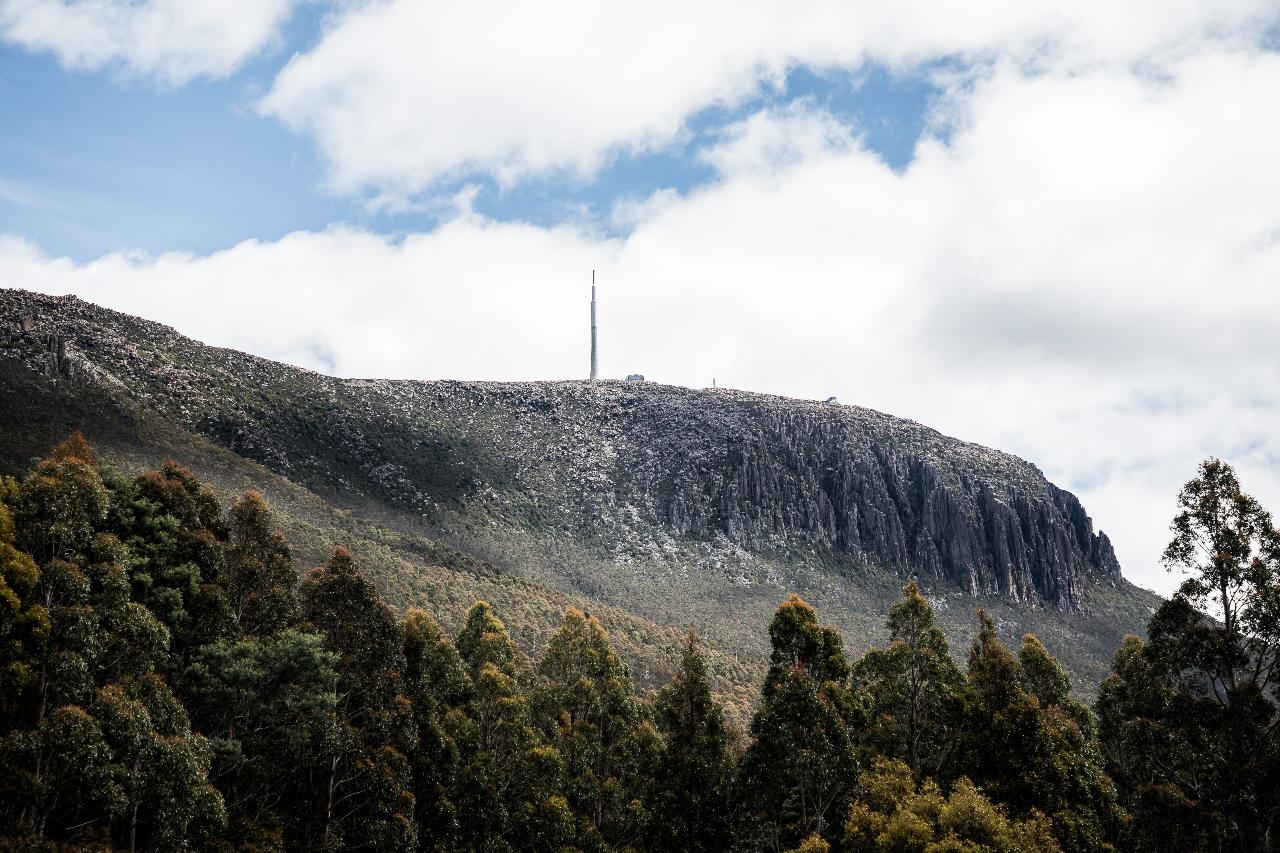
(646, 472)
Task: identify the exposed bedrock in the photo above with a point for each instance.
(628, 464)
(770, 472)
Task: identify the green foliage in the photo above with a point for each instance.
(797, 773)
(913, 689)
(892, 813)
(170, 802)
(259, 569)
(1231, 546)
(363, 796)
(484, 640)
(438, 688)
(812, 844)
(1190, 719)
(97, 746)
(1035, 757)
(174, 531)
(61, 502)
(1150, 756)
(70, 654)
(71, 777)
(509, 780)
(132, 640)
(586, 706)
(24, 623)
(798, 642)
(690, 808)
(268, 707)
(167, 686)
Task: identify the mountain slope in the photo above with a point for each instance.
(671, 505)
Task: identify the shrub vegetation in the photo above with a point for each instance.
(167, 683)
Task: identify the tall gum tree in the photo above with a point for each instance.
(798, 772)
(913, 688)
(1190, 717)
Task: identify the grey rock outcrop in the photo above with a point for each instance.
(633, 466)
(771, 473)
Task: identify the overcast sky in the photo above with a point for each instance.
(1048, 227)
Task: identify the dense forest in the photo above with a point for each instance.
(168, 683)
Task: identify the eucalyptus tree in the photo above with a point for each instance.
(1190, 718)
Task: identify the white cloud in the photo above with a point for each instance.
(770, 142)
(400, 94)
(1087, 273)
(172, 40)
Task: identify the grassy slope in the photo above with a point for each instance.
(854, 598)
(320, 432)
(410, 570)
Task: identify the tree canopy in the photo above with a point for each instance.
(168, 683)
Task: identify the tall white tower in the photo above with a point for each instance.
(593, 326)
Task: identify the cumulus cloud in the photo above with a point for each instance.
(1085, 272)
(400, 94)
(172, 40)
(769, 142)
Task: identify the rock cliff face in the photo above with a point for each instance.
(640, 469)
(777, 472)
(771, 474)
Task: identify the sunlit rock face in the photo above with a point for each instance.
(639, 468)
(770, 473)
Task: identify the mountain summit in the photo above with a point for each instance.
(671, 505)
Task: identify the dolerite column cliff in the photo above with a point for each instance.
(768, 473)
(626, 465)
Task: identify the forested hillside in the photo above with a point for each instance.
(170, 684)
(655, 508)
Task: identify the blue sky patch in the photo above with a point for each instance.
(92, 163)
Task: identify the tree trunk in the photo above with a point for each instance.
(133, 819)
(328, 806)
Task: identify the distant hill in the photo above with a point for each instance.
(654, 507)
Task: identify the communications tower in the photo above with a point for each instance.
(594, 364)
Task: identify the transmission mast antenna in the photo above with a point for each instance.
(594, 365)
